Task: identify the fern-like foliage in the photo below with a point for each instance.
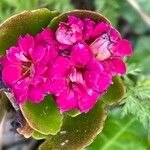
(137, 98)
(133, 69)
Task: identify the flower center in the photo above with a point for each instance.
(65, 53)
(26, 68)
(76, 76)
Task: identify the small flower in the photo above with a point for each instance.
(25, 66)
(109, 49)
(70, 32)
(79, 81)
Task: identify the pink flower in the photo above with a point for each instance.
(92, 54)
(25, 66)
(109, 49)
(79, 81)
(75, 65)
(70, 32)
(75, 30)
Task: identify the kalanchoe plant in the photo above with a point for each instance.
(62, 71)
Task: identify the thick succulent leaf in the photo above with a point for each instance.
(115, 92)
(38, 136)
(44, 117)
(121, 134)
(20, 24)
(3, 105)
(79, 13)
(73, 113)
(78, 132)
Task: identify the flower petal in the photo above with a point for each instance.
(37, 53)
(91, 78)
(86, 97)
(97, 81)
(67, 101)
(100, 47)
(117, 66)
(123, 48)
(80, 54)
(36, 79)
(59, 68)
(11, 74)
(104, 82)
(52, 53)
(100, 29)
(44, 36)
(20, 90)
(75, 20)
(94, 65)
(40, 69)
(68, 34)
(12, 54)
(57, 86)
(26, 43)
(22, 84)
(114, 34)
(20, 96)
(88, 28)
(35, 94)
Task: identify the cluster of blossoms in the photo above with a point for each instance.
(75, 64)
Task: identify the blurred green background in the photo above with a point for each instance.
(131, 132)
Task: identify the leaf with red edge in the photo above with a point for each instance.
(30, 21)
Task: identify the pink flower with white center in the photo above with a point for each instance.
(109, 49)
(78, 81)
(25, 66)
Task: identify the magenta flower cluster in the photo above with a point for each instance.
(75, 64)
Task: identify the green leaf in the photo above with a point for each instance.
(79, 13)
(137, 102)
(121, 134)
(38, 136)
(115, 92)
(73, 113)
(78, 132)
(44, 117)
(20, 24)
